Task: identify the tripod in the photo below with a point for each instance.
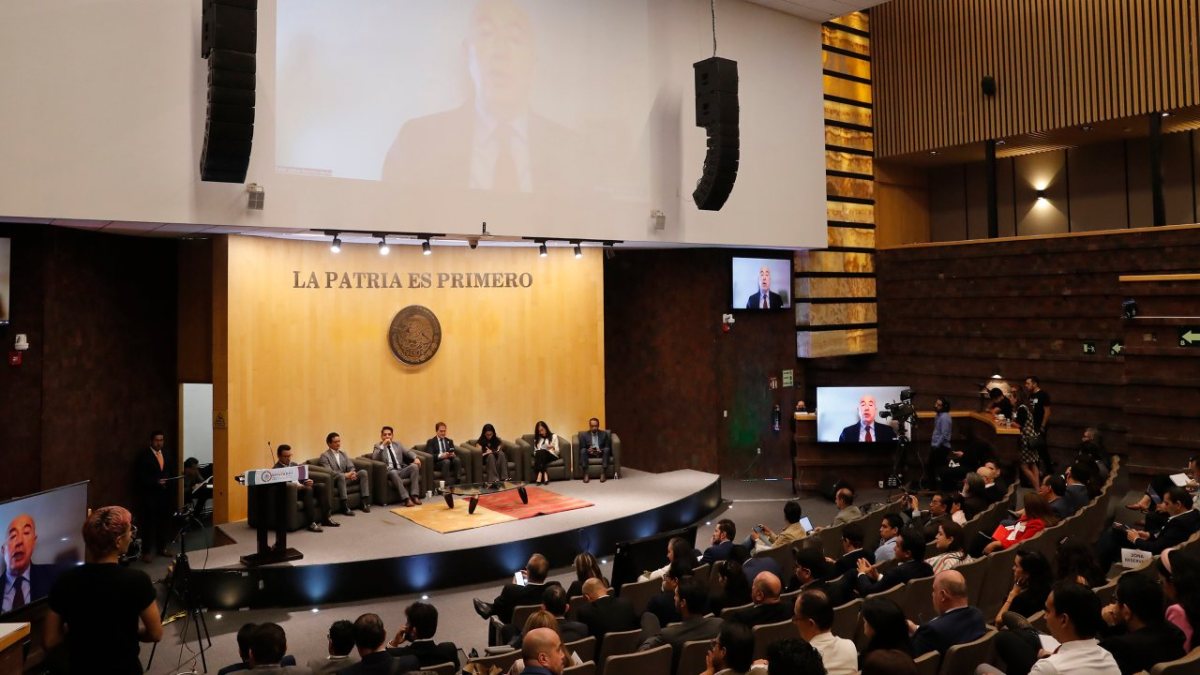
(179, 587)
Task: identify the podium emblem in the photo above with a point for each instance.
(415, 335)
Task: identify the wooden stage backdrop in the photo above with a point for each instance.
(293, 362)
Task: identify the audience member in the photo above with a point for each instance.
(889, 530)
(722, 542)
(910, 553)
(764, 593)
(1073, 618)
(556, 602)
(586, 567)
(96, 608)
(1076, 561)
(958, 511)
(543, 653)
(513, 595)
(340, 648)
(732, 652)
(1091, 450)
(884, 626)
(733, 590)
(678, 548)
(956, 622)
(1054, 489)
(1031, 585)
(928, 521)
(662, 604)
(814, 619)
(975, 499)
(1077, 478)
(949, 544)
(811, 571)
(752, 566)
(794, 657)
(764, 539)
(690, 598)
(889, 662)
(852, 551)
(847, 511)
(604, 613)
(1138, 634)
(1181, 584)
(994, 487)
(267, 645)
(1037, 517)
(1182, 522)
(1160, 483)
(421, 624)
(370, 637)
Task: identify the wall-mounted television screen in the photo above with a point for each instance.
(5, 279)
(761, 283)
(851, 414)
(43, 537)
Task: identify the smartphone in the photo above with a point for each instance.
(806, 524)
(758, 529)
(519, 578)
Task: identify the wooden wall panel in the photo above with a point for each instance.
(1098, 198)
(303, 362)
(1057, 63)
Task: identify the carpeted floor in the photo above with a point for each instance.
(493, 509)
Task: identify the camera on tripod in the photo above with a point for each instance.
(902, 411)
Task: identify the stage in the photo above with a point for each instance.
(380, 553)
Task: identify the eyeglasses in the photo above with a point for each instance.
(133, 531)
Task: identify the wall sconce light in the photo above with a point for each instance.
(336, 245)
(1041, 195)
(426, 249)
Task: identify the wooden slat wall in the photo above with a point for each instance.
(835, 288)
(1057, 63)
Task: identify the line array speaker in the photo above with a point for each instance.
(717, 111)
(229, 41)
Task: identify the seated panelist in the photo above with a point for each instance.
(445, 454)
(403, 466)
(595, 442)
(495, 462)
(343, 469)
(545, 452)
(314, 493)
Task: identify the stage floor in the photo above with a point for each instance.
(382, 534)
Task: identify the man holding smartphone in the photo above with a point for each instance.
(763, 538)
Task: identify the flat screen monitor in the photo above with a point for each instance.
(761, 284)
(842, 413)
(648, 553)
(5, 280)
(42, 538)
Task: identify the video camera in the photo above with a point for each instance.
(902, 411)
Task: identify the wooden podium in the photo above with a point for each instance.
(270, 487)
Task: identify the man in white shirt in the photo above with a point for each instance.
(341, 650)
(813, 616)
(889, 529)
(1073, 617)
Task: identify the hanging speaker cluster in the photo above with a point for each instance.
(717, 112)
(228, 40)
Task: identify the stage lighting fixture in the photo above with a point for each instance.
(336, 246)
(384, 249)
(578, 250)
(426, 249)
(542, 249)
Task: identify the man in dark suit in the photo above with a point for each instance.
(910, 554)
(764, 592)
(514, 595)
(343, 469)
(994, 487)
(313, 492)
(764, 297)
(369, 638)
(662, 605)
(867, 430)
(722, 542)
(930, 520)
(1139, 635)
(595, 442)
(418, 632)
(341, 650)
(23, 581)
(1182, 522)
(605, 613)
(956, 622)
(445, 454)
(156, 499)
(266, 645)
(691, 597)
(852, 551)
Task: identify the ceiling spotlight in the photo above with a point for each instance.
(542, 249)
(578, 250)
(336, 246)
(384, 249)
(426, 249)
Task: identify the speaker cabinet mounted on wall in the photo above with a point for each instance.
(717, 111)
(229, 40)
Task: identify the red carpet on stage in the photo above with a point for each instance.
(541, 503)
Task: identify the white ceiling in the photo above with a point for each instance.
(817, 10)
